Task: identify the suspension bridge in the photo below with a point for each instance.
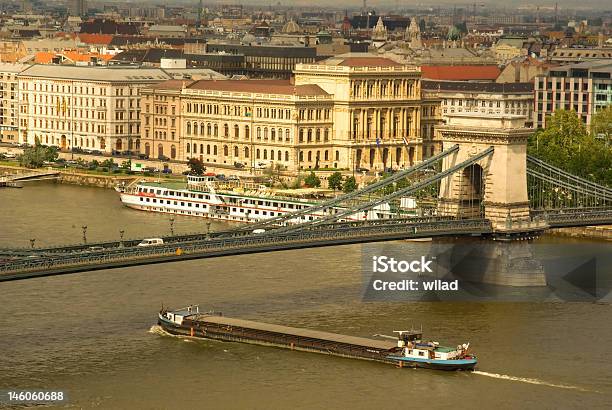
(482, 184)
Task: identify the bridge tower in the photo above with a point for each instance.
(496, 186)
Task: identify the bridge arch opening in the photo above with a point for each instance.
(471, 196)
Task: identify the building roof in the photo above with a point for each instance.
(284, 87)
(107, 74)
(361, 60)
(460, 72)
(97, 39)
(45, 57)
(477, 86)
(12, 67)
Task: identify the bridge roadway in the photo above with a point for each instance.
(339, 233)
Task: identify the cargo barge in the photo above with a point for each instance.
(407, 350)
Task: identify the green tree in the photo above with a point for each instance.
(566, 144)
(312, 180)
(335, 181)
(35, 157)
(350, 185)
(127, 165)
(601, 125)
(196, 166)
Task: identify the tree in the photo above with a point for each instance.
(601, 125)
(350, 185)
(335, 181)
(36, 156)
(196, 166)
(312, 180)
(126, 164)
(566, 144)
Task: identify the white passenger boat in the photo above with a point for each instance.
(208, 197)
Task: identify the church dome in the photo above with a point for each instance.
(291, 27)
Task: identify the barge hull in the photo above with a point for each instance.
(244, 331)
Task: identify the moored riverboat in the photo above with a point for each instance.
(209, 197)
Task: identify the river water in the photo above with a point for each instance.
(93, 335)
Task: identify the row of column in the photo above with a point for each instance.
(405, 85)
(409, 123)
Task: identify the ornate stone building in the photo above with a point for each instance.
(378, 109)
(347, 112)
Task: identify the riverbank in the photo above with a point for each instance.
(87, 178)
(590, 232)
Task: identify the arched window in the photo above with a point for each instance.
(257, 154)
(309, 134)
(137, 144)
(246, 152)
(265, 152)
(258, 133)
(247, 132)
(208, 129)
(265, 133)
(225, 151)
(216, 128)
(301, 135)
(201, 148)
(273, 134)
(309, 156)
(326, 156)
(326, 136)
(187, 147)
(225, 130)
(318, 134)
(188, 127)
(272, 154)
(287, 135)
(207, 149)
(214, 150)
(286, 156)
(301, 156)
(279, 155)
(160, 150)
(236, 151)
(236, 131)
(202, 128)
(173, 152)
(147, 149)
(337, 155)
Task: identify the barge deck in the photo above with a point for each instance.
(191, 323)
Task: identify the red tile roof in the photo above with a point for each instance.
(252, 86)
(460, 72)
(98, 39)
(259, 86)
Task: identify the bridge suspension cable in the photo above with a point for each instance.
(388, 197)
(553, 188)
(288, 217)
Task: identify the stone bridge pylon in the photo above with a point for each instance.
(495, 187)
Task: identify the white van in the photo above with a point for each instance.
(258, 231)
(151, 242)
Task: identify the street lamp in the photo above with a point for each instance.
(84, 228)
(172, 226)
(121, 233)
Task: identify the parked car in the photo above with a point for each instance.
(361, 169)
(164, 158)
(238, 164)
(143, 156)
